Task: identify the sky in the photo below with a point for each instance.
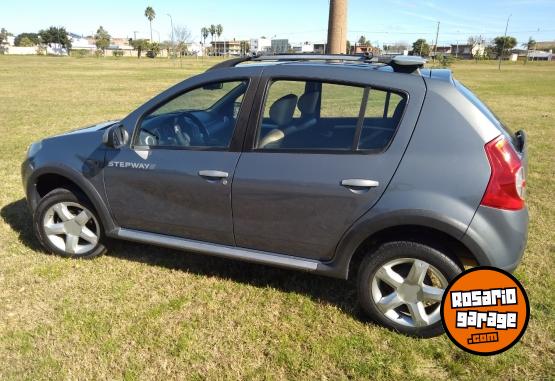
(384, 21)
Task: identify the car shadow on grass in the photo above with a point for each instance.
(339, 293)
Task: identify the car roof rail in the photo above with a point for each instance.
(401, 64)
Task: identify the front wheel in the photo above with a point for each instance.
(401, 286)
(66, 224)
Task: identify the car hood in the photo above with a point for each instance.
(88, 129)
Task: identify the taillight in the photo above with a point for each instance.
(507, 182)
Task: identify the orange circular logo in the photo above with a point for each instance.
(485, 311)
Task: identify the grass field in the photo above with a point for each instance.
(148, 313)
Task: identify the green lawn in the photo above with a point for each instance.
(143, 312)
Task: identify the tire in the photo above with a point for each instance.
(66, 224)
(400, 286)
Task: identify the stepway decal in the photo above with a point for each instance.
(129, 164)
(485, 311)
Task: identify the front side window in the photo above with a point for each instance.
(315, 116)
(204, 117)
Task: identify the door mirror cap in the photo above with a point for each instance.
(115, 136)
(213, 86)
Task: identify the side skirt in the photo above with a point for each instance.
(249, 255)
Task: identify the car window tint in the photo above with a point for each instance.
(341, 101)
(204, 117)
(301, 115)
(384, 110)
(282, 88)
(202, 98)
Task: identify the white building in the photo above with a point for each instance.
(82, 43)
(540, 55)
(305, 47)
(260, 45)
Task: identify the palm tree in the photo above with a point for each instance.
(150, 15)
(219, 31)
(204, 33)
(212, 31)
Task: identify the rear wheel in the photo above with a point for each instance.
(401, 286)
(66, 224)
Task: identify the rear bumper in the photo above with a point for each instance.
(498, 237)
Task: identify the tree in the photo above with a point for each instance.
(204, 33)
(363, 41)
(245, 47)
(219, 30)
(348, 47)
(26, 41)
(420, 48)
(54, 35)
(182, 36)
(503, 44)
(530, 45)
(212, 30)
(3, 35)
(139, 45)
(150, 15)
(31, 38)
(102, 39)
(475, 40)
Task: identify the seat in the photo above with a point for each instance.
(306, 104)
(281, 115)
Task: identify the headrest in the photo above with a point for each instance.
(281, 111)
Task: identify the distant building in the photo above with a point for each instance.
(260, 45)
(364, 49)
(280, 46)
(224, 48)
(539, 55)
(544, 45)
(441, 50)
(305, 47)
(468, 51)
(195, 49)
(320, 48)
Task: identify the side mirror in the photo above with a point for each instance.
(115, 136)
(213, 86)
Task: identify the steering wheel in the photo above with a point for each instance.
(198, 132)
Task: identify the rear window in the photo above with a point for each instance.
(484, 109)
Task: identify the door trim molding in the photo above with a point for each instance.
(249, 255)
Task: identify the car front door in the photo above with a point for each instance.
(319, 155)
(175, 177)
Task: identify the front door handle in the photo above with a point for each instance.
(213, 174)
(360, 183)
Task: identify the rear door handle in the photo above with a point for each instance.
(213, 174)
(360, 183)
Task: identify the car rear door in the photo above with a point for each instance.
(325, 165)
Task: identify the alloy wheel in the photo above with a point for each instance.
(71, 227)
(408, 291)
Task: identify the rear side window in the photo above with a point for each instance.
(319, 116)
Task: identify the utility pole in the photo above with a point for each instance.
(504, 40)
(171, 23)
(435, 46)
(337, 27)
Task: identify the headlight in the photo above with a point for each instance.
(33, 149)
